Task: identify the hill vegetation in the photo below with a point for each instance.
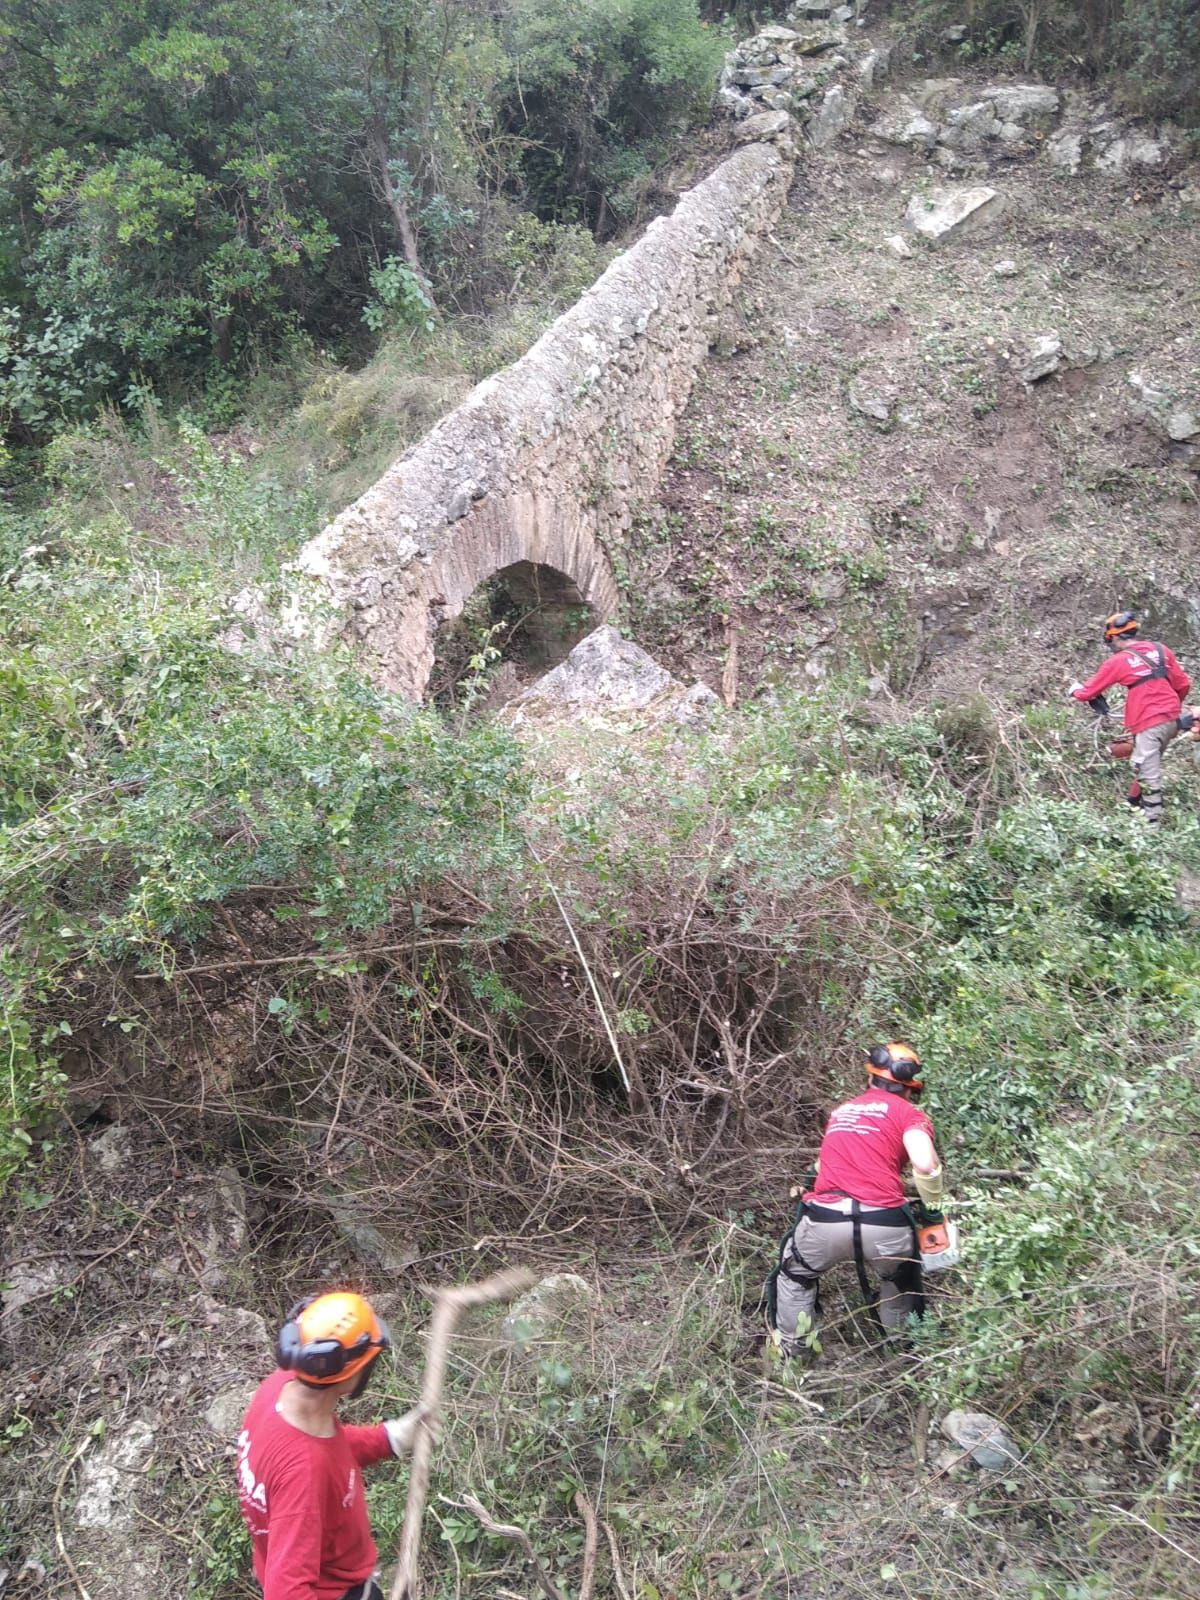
(423, 992)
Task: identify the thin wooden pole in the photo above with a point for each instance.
(448, 1307)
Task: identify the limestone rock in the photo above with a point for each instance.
(1187, 891)
(225, 1410)
(868, 402)
(1005, 269)
(562, 1298)
(1044, 356)
(1131, 150)
(393, 1256)
(1159, 405)
(899, 246)
(933, 95)
(222, 1229)
(25, 1283)
(105, 1498)
(904, 123)
(990, 1446)
(767, 125)
(606, 674)
(1023, 103)
(112, 1150)
(872, 68)
(948, 212)
(968, 127)
(1065, 151)
(816, 41)
(831, 119)
(737, 105)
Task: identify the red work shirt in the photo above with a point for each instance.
(302, 1499)
(862, 1153)
(1150, 701)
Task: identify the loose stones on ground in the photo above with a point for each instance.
(945, 212)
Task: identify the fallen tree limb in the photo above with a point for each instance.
(614, 1552)
(518, 1536)
(591, 1538)
(448, 1307)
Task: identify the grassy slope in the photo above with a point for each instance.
(1005, 912)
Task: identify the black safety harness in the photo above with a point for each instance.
(1158, 669)
(891, 1217)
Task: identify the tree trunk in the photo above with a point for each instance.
(401, 221)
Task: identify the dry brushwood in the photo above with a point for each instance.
(448, 1307)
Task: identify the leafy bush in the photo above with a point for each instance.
(598, 91)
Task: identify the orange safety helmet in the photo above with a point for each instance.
(329, 1337)
(1121, 625)
(896, 1063)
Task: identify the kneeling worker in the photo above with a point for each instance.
(855, 1209)
(300, 1469)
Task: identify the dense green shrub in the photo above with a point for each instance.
(599, 91)
(182, 196)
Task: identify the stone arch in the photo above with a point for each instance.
(544, 460)
(545, 550)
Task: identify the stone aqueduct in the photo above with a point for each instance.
(543, 466)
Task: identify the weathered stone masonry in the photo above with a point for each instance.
(544, 465)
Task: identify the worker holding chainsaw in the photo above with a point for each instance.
(299, 1468)
(1155, 686)
(855, 1209)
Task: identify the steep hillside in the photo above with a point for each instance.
(869, 467)
(307, 985)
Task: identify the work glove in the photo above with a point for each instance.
(1186, 721)
(1073, 691)
(402, 1433)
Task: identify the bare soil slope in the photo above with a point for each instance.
(976, 508)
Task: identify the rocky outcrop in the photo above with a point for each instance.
(962, 126)
(605, 676)
(554, 1303)
(952, 119)
(781, 69)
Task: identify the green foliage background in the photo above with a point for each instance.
(187, 186)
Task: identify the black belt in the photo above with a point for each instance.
(362, 1591)
(894, 1217)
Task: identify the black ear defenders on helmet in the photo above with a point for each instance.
(903, 1070)
(321, 1359)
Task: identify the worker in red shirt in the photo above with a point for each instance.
(1156, 686)
(299, 1468)
(855, 1210)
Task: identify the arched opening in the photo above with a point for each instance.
(515, 626)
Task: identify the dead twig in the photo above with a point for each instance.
(591, 1538)
(56, 1508)
(615, 1557)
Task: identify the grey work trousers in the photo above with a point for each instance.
(816, 1246)
(1148, 747)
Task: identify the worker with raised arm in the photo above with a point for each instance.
(1155, 688)
(299, 1467)
(856, 1209)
